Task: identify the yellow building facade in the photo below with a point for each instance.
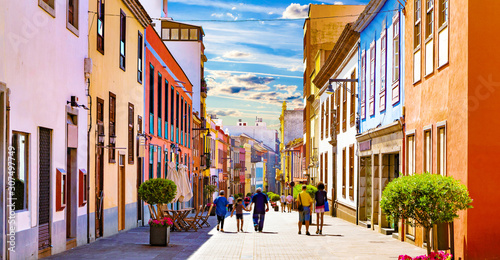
(116, 29)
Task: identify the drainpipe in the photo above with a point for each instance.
(403, 164)
(88, 160)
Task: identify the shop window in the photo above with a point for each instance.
(20, 153)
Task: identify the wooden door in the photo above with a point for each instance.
(99, 171)
(121, 192)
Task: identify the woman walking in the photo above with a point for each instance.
(320, 199)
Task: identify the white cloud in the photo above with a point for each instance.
(234, 8)
(217, 15)
(225, 112)
(294, 11)
(256, 73)
(224, 5)
(236, 54)
(338, 3)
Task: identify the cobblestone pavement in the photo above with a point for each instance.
(340, 240)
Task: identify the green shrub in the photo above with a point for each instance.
(274, 197)
(157, 191)
(310, 189)
(428, 199)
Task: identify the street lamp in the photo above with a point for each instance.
(330, 89)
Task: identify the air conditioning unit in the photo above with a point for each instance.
(87, 67)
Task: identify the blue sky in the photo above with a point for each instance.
(253, 66)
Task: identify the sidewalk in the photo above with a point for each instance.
(340, 240)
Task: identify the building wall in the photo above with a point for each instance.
(443, 97)
(393, 105)
(108, 77)
(261, 133)
(483, 94)
(292, 125)
(38, 96)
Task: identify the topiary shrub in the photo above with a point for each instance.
(428, 199)
(158, 192)
(310, 189)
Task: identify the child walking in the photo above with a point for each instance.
(239, 214)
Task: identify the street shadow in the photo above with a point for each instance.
(331, 235)
(266, 232)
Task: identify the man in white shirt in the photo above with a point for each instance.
(230, 200)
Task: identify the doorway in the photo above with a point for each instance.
(121, 192)
(139, 182)
(99, 171)
(365, 186)
(71, 201)
(44, 162)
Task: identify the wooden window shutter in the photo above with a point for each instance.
(351, 172)
(344, 173)
(344, 106)
(337, 98)
(130, 133)
(353, 99)
(332, 115)
(322, 120)
(112, 126)
(326, 119)
(326, 167)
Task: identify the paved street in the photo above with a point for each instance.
(340, 240)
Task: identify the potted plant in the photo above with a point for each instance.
(159, 231)
(158, 192)
(212, 213)
(275, 198)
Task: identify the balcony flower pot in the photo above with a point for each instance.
(159, 231)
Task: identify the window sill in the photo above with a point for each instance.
(112, 161)
(123, 68)
(72, 29)
(439, 68)
(429, 74)
(417, 82)
(410, 237)
(47, 8)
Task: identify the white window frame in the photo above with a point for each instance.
(383, 69)
(427, 150)
(363, 84)
(373, 54)
(410, 168)
(439, 126)
(76, 17)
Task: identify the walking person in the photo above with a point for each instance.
(304, 202)
(248, 199)
(239, 214)
(289, 202)
(230, 200)
(261, 207)
(220, 210)
(321, 199)
(283, 202)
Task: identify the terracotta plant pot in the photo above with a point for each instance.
(159, 236)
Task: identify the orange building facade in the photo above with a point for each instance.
(452, 95)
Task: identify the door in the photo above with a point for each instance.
(99, 171)
(139, 182)
(71, 193)
(44, 162)
(121, 192)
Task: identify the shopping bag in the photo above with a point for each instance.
(327, 207)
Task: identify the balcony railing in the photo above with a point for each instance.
(204, 88)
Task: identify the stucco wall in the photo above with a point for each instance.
(293, 125)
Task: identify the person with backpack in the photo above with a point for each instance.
(247, 199)
(304, 203)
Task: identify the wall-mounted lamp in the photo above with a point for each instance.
(330, 89)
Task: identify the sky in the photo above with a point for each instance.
(253, 66)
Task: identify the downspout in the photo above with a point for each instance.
(88, 160)
(358, 130)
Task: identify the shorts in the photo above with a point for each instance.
(283, 203)
(320, 209)
(305, 215)
(230, 207)
(239, 216)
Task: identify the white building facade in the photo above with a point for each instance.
(43, 89)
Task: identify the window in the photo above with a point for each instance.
(20, 143)
(372, 80)
(184, 34)
(189, 126)
(48, 6)
(159, 104)
(166, 109)
(151, 98)
(181, 116)
(417, 29)
(165, 163)
(123, 30)
(429, 19)
(337, 101)
(363, 84)
(351, 172)
(130, 133)
(322, 119)
(395, 49)
(443, 13)
(383, 68)
(193, 34)
(151, 156)
(326, 118)
(139, 58)
(332, 114)
(441, 150)
(325, 178)
(443, 33)
(100, 26)
(344, 161)
(158, 163)
(172, 104)
(410, 151)
(174, 34)
(344, 106)
(427, 151)
(72, 16)
(353, 98)
(112, 127)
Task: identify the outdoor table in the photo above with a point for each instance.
(177, 217)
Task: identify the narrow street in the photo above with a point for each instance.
(340, 240)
